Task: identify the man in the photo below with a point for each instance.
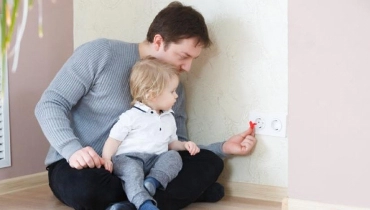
(88, 94)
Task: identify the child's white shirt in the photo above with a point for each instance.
(143, 130)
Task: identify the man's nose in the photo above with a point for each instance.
(186, 66)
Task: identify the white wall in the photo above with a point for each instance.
(245, 70)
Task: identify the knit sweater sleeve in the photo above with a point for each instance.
(180, 114)
(181, 118)
(71, 83)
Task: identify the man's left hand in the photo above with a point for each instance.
(240, 144)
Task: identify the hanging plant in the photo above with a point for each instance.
(8, 22)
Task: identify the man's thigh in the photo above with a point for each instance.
(197, 174)
(86, 188)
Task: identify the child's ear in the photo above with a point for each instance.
(150, 96)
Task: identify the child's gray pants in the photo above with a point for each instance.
(132, 168)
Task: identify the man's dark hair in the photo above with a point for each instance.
(176, 22)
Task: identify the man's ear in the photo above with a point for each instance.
(158, 41)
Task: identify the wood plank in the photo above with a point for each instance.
(297, 204)
(33, 192)
(42, 198)
(23, 182)
(255, 191)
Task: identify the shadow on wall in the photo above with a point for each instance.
(217, 68)
(228, 37)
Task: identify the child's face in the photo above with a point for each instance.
(168, 97)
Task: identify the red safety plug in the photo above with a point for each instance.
(252, 124)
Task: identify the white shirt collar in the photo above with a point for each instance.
(146, 109)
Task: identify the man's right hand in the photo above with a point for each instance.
(84, 158)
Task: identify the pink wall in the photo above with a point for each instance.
(40, 59)
(329, 101)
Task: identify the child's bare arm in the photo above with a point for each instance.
(184, 145)
(109, 149)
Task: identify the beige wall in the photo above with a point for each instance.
(245, 70)
(329, 100)
(328, 88)
(39, 61)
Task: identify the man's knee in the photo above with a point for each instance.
(218, 163)
(204, 165)
(211, 160)
(90, 189)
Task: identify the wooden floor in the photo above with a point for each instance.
(42, 198)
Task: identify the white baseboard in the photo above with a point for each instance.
(254, 191)
(23, 182)
(296, 204)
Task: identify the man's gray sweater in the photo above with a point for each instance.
(88, 94)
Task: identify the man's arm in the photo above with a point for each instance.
(181, 118)
(240, 144)
(180, 114)
(215, 148)
(70, 84)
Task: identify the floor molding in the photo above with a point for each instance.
(255, 191)
(23, 182)
(296, 204)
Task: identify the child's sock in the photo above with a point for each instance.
(151, 185)
(148, 205)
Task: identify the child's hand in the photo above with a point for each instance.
(108, 165)
(191, 147)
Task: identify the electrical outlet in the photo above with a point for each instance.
(259, 123)
(271, 124)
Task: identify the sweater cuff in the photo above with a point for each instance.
(216, 148)
(70, 149)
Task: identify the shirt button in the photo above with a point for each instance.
(151, 112)
(160, 129)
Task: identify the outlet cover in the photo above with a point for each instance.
(271, 124)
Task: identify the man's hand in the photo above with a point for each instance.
(191, 147)
(85, 157)
(240, 144)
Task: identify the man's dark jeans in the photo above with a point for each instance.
(97, 188)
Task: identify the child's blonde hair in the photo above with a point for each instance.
(149, 77)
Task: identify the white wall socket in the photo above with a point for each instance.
(271, 124)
